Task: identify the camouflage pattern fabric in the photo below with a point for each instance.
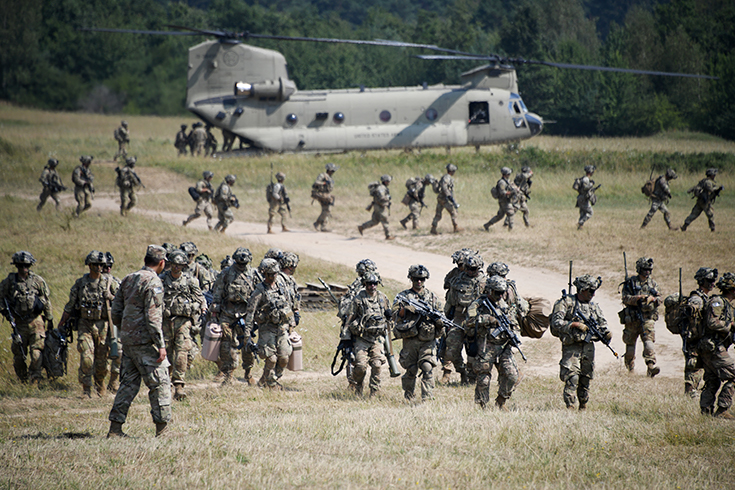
(507, 197)
(704, 204)
(368, 326)
(585, 199)
(659, 199)
(82, 178)
(277, 204)
(640, 326)
(51, 181)
(198, 138)
(128, 185)
(381, 210)
(443, 200)
(204, 203)
(181, 142)
(224, 214)
(322, 193)
(122, 136)
(719, 367)
(693, 366)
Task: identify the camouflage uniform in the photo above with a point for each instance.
(277, 201)
(586, 197)
(122, 136)
(204, 203)
(224, 199)
(368, 327)
(445, 200)
(523, 182)
(414, 199)
(182, 140)
(380, 206)
(719, 368)
(30, 307)
(321, 191)
(183, 302)
(88, 301)
(51, 184)
(659, 199)
(577, 365)
(128, 181)
(270, 307)
(210, 145)
(197, 137)
(641, 299)
(114, 365)
(706, 192)
(493, 351)
(83, 185)
(419, 336)
(138, 311)
(228, 139)
(507, 193)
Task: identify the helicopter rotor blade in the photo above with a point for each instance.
(571, 66)
(138, 31)
(445, 57)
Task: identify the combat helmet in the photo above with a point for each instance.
(711, 172)
(131, 161)
(588, 169)
(459, 256)
(331, 167)
(428, 178)
(506, 171)
(269, 266)
(230, 179)
(273, 253)
(418, 271)
(705, 274)
(204, 261)
(189, 248)
(365, 266)
(726, 282)
(451, 167)
(183, 126)
(169, 247)
(498, 269)
(242, 256)
(177, 257)
(207, 174)
(644, 263)
(109, 259)
(124, 124)
(370, 277)
(52, 162)
(280, 176)
(526, 169)
(385, 178)
(23, 258)
(474, 261)
(289, 260)
(587, 283)
(496, 283)
(226, 262)
(671, 174)
(95, 257)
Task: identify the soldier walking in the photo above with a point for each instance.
(414, 199)
(278, 201)
(706, 191)
(24, 300)
(137, 310)
(586, 197)
(641, 299)
(182, 140)
(523, 182)
(380, 206)
(692, 327)
(445, 200)
(122, 136)
(83, 184)
(89, 302)
(419, 335)
(660, 198)
(210, 144)
(321, 191)
(51, 184)
(198, 138)
(114, 383)
(506, 193)
(225, 199)
(204, 203)
(128, 181)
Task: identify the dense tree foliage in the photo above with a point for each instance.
(46, 62)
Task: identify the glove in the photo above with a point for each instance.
(607, 334)
(388, 315)
(581, 327)
(50, 325)
(296, 317)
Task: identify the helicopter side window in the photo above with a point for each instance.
(514, 108)
(479, 113)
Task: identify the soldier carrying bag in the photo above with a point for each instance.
(194, 194)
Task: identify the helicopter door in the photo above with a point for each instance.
(478, 128)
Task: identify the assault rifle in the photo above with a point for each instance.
(137, 179)
(635, 290)
(593, 329)
(15, 336)
(345, 348)
(504, 327)
(250, 344)
(329, 290)
(452, 202)
(425, 310)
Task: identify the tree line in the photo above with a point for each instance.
(46, 62)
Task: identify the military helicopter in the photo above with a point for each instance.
(246, 90)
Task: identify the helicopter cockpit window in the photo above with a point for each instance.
(516, 104)
(514, 107)
(385, 116)
(292, 119)
(339, 117)
(479, 113)
(431, 114)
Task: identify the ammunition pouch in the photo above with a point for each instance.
(90, 311)
(406, 330)
(624, 316)
(183, 308)
(238, 293)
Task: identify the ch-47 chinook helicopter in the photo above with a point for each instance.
(246, 90)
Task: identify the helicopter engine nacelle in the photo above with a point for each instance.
(268, 90)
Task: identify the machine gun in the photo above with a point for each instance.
(425, 310)
(593, 329)
(15, 336)
(504, 327)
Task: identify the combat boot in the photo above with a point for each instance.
(249, 378)
(179, 393)
(434, 230)
(390, 237)
(403, 223)
(691, 391)
(457, 229)
(227, 379)
(360, 229)
(116, 430)
(486, 226)
(100, 389)
(161, 429)
(653, 370)
(500, 403)
(684, 227)
(463, 378)
(724, 413)
(446, 377)
(582, 406)
(270, 231)
(114, 383)
(284, 229)
(86, 392)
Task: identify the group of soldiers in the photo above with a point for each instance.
(199, 140)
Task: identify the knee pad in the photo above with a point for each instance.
(282, 362)
(426, 367)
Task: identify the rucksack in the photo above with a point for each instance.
(194, 194)
(577, 184)
(672, 317)
(648, 187)
(55, 354)
(690, 322)
(373, 187)
(494, 192)
(269, 192)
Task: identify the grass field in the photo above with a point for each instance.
(637, 433)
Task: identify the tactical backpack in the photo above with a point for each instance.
(648, 188)
(697, 190)
(194, 194)
(55, 354)
(690, 321)
(373, 188)
(672, 317)
(577, 184)
(494, 192)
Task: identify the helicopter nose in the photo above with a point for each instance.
(535, 123)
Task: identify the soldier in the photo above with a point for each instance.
(586, 197)
(706, 191)
(445, 200)
(523, 182)
(660, 197)
(229, 304)
(51, 184)
(321, 191)
(506, 193)
(24, 299)
(577, 365)
(210, 144)
(228, 138)
(368, 324)
(693, 326)
(114, 366)
(127, 181)
(278, 201)
(719, 368)
(182, 140)
(83, 184)
(641, 299)
(122, 136)
(288, 263)
(198, 138)
(493, 351)
(419, 335)
(519, 304)
(204, 203)
(89, 300)
(225, 263)
(138, 312)
(463, 289)
(380, 206)
(225, 199)
(183, 303)
(270, 306)
(193, 268)
(414, 199)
